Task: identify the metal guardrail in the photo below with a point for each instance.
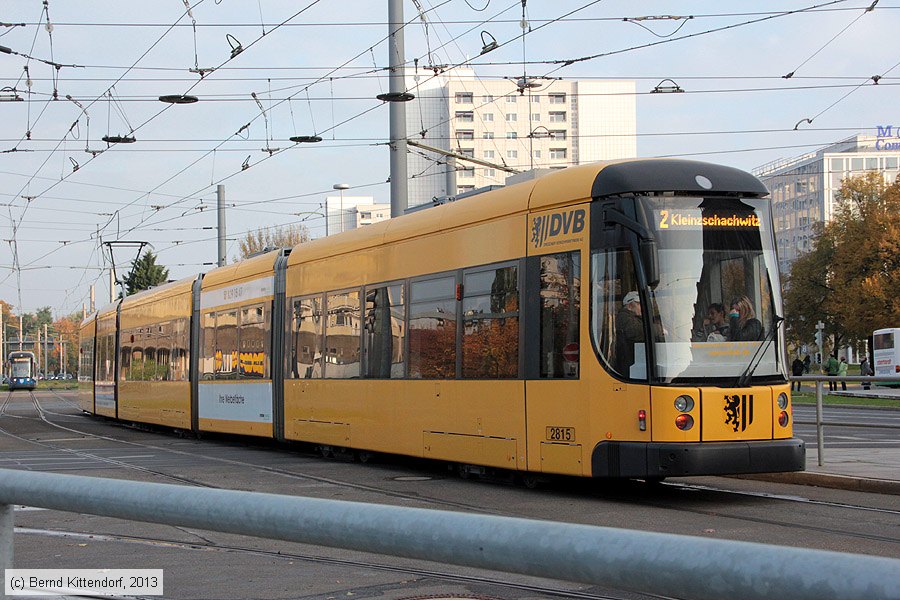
(653, 563)
(819, 423)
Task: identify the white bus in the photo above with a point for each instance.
(886, 355)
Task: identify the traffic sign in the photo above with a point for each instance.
(570, 352)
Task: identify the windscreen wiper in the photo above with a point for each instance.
(760, 352)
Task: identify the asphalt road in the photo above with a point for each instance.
(50, 434)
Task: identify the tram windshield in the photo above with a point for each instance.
(715, 305)
(21, 368)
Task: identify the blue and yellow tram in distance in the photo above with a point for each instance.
(610, 320)
(20, 366)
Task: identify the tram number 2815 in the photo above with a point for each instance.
(561, 434)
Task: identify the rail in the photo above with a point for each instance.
(819, 422)
(645, 562)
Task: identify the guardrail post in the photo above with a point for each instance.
(820, 429)
(7, 527)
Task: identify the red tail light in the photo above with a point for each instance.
(783, 419)
(642, 420)
(684, 422)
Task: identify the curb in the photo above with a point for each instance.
(837, 482)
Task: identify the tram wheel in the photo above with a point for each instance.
(326, 451)
(364, 457)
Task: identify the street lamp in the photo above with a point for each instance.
(341, 187)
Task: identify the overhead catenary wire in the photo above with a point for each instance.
(180, 144)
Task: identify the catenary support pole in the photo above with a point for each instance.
(820, 428)
(220, 212)
(396, 59)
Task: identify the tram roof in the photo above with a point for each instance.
(105, 311)
(562, 187)
(88, 318)
(160, 292)
(249, 268)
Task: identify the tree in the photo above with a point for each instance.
(279, 236)
(808, 289)
(145, 273)
(850, 280)
(66, 330)
(866, 264)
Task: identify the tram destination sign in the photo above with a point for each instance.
(696, 219)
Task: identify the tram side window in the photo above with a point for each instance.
(136, 370)
(99, 360)
(490, 339)
(385, 332)
(617, 328)
(432, 329)
(342, 335)
(109, 362)
(306, 345)
(125, 356)
(254, 342)
(101, 342)
(560, 313)
(163, 351)
(208, 359)
(226, 344)
(179, 360)
(151, 366)
(86, 360)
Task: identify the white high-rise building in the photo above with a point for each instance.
(350, 212)
(804, 188)
(555, 124)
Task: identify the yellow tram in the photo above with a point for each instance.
(609, 320)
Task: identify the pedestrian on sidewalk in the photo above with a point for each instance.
(796, 370)
(831, 369)
(842, 372)
(865, 369)
(806, 363)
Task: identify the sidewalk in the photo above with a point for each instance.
(875, 391)
(875, 470)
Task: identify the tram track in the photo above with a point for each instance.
(286, 473)
(80, 453)
(628, 496)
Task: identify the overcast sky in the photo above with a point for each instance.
(318, 74)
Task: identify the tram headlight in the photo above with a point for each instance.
(684, 403)
(782, 401)
(684, 422)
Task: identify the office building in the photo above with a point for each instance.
(350, 212)
(550, 124)
(804, 188)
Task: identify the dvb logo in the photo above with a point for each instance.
(546, 227)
